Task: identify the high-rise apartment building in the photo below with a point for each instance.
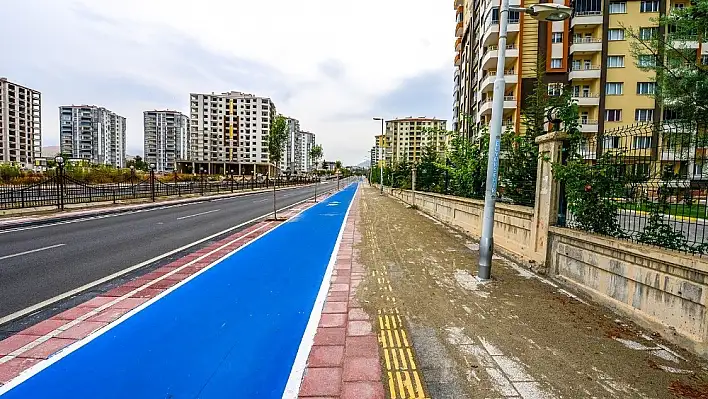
(296, 154)
(93, 134)
(591, 52)
(405, 139)
(305, 143)
(229, 131)
(166, 138)
(20, 124)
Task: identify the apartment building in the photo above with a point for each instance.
(405, 139)
(166, 139)
(296, 153)
(93, 134)
(229, 132)
(590, 52)
(20, 124)
(306, 141)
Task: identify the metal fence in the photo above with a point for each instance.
(646, 183)
(61, 190)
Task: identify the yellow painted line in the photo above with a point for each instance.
(388, 360)
(409, 385)
(393, 321)
(395, 359)
(382, 339)
(411, 359)
(381, 322)
(418, 385)
(402, 356)
(400, 383)
(391, 385)
(398, 338)
(405, 338)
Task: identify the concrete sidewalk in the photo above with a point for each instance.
(519, 335)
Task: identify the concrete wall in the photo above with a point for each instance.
(512, 227)
(662, 290)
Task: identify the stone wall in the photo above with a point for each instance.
(663, 290)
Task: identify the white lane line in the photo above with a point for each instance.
(129, 212)
(45, 303)
(198, 214)
(263, 200)
(31, 252)
(292, 387)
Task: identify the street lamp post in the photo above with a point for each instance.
(60, 180)
(132, 177)
(231, 172)
(382, 152)
(542, 12)
(152, 181)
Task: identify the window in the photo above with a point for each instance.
(614, 89)
(618, 7)
(613, 115)
(646, 60)
(644, 115)
(649, 6)
(648, 33)
(557, 37)
(642, 142)
(646, 87)
(556, 63)
(615, 61)
(610, 142)
(704, 59)
(615, 34)
(555, 89)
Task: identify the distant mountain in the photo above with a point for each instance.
(363, 164)
(50, 151)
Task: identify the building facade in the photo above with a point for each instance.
(166, 139)
(306, 143)
(93, 134)
(407, 138)
(20, 124)
(296, 153)
(229, 131)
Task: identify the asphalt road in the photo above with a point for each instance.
(41, 262)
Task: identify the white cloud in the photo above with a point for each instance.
(316, 59)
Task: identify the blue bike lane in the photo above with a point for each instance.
(232, 331)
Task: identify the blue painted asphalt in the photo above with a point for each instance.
(231, 332)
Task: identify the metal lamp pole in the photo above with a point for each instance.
(542, 12)
(382, 153)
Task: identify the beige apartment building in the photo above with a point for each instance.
(20, 124)
(405, 139)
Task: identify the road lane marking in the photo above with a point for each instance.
(129, 212)
(263, 200)
(31, 252)
(198, 214)
(45, 303)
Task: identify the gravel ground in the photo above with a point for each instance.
(519, 335)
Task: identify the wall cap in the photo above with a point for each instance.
(555, 136)
(650, 252)
(499, 205)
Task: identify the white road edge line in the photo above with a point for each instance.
(35, 369)
(263, 200)
(198, 214)
(31, 251)
(292, 388)
(85, 287)
(129, 212)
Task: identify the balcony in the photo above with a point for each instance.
(585, 72)
(486, 107)
(487, 84)
(490, 57)
(458, 44)
(457, 59)
(675, 154)
(491, 31)
(586, 18)
(588, 125)
(458, 29)
(586, 45)
(587, 99)
(681, 41)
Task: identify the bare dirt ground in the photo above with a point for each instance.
(517, 336)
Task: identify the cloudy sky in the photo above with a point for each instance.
(331, 64)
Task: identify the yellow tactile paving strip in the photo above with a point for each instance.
(404, 378)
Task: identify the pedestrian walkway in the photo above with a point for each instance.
(518, 336)
(233, 329)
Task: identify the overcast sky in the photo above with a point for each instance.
(331, 64)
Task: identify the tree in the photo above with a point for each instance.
(137, 163)
(338, 165)
(315, 154)
(429, 174)
(681, 81)
(277, 137)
